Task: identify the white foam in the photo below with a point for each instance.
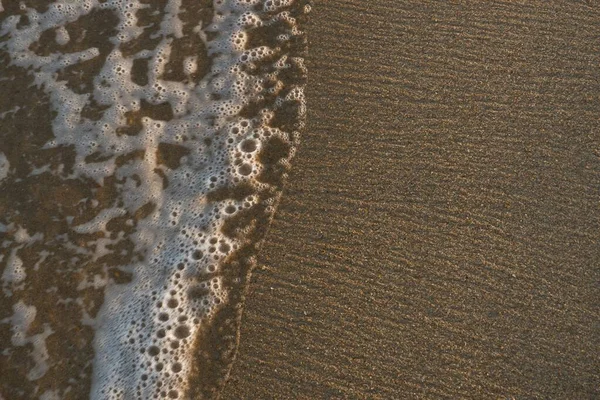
(14, 272)
(50, 395)
(4, 166)
(39, 354)
(146, 329)
(22, 319)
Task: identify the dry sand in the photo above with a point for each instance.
(440, 233)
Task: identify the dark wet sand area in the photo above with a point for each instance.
(439, 234)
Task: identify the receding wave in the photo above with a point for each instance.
(143, 148)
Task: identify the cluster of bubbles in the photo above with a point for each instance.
(146, 329)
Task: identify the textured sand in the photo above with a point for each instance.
(440, 233)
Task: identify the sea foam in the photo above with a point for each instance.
(179, 119)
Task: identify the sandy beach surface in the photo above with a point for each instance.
(439, 235)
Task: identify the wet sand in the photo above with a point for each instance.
(104, 108)
(439, 235)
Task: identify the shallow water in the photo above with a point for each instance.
(143, 147)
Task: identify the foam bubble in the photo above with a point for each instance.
(4, 166)
(14, 272)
